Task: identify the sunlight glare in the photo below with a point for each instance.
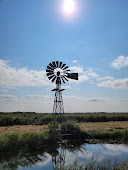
(69, 6)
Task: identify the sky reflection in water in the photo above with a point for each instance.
(102, 152)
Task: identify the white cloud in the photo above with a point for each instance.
(124, 100)
(119, 83)
(74, 97)
(65, 87)
(4, 90)
(96, 99)
(116, 148)
(75, 61)
(44, 160)
(81, 74)
(36, 96)
(81, 79)
(87, 75)
(120, 62)
(8, 97)
(11, 76)
(85, 99)
(105, 78)
(91, 73)
(76, 69)
(14, 77)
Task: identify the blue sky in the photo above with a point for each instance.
(92, 41)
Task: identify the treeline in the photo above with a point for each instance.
(19, 118)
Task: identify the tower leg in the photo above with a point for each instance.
(58, 108)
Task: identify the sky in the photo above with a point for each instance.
(90, 36)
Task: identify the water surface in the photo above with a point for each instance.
(86, 152)
(68, 153)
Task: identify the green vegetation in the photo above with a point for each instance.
(94, 164)
(120, 136)
(97, 117)
(77, 133)
(26, 142)
(26, 145)
(34, 141)
(19, 118)
(9, 119)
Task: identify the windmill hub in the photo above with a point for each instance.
(58, 72)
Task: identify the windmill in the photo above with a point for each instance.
(58, 73)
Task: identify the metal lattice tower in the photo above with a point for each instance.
(58, 108)
(58, 72)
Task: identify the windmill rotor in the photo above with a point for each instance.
(58, 72)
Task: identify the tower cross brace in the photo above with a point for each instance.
(58, 108)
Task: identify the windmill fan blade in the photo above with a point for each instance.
(52, 65)
(51, 71)
(49, 74)
(72, 76)
(50, 68)
(65, 78)
(62, 79)
(60, 64)
(65, 68)
(57, 63)
(51, 77)
(63, 65)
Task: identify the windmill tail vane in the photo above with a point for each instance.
(58, 73)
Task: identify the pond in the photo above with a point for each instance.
(67, 154)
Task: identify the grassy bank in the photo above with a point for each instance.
(28, 142)
(19, 118)
(21, 143)
(97, 130)
(79, 131)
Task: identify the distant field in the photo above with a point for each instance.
(23, 129)
(19, 118)
(104, 126)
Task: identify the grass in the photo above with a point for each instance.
(97, 117)
(94, 164)
(9, 119)
(97, 130)
(79, 131)
(23, 129)
(21, 118)
(106, 130)
(39, 134)
(21, 143)
(30, 138)
(104, 126)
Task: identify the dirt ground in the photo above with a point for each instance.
(104, 126)
(23, 128)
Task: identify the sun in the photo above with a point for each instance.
(69, 6)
